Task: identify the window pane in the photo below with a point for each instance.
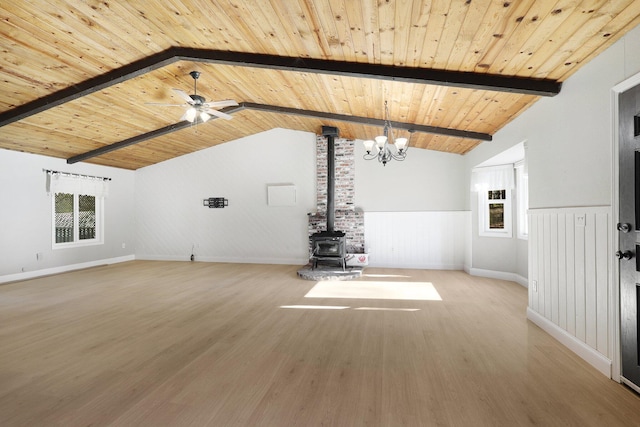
(497, 194)
(87, 217)
(496, 215)
(64, 217)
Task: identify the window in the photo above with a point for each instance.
(494, 185)
(497, 199)
(77, 210)
(522, 185)
(76, 219)
(494, 213)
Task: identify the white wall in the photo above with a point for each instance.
(170, 217)
(414, 210)
(569, 135)
(499, 257)
(425, 181)
(570, 144)
(493, 255)
(25, 217)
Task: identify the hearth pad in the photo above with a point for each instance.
(329, 272)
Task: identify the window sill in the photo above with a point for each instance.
(496, 234)
(70, 245)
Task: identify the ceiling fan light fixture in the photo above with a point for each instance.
(197, 105)
(190, 115)
(204, 116)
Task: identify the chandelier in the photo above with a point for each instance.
(383, 144)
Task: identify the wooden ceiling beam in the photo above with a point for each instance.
(412, 127)
(145, 136)
(492, 82)
(88, 87)
(369, 121)
(469, 80)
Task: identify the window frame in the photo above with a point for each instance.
(522, 208)
(484, 202)
(99, 234)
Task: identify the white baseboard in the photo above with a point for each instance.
(62, 269)
(590, 355)
(501, 275)
(145, 257)
(418, 266)
(243, 260)
(233, 260)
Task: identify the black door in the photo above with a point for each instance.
(629, 234)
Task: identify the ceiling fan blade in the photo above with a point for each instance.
(219, 104)
(184, 96)
(219, 114)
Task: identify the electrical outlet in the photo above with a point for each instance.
(39, 256)
(580, 220)
(124, 245)
(535, 285)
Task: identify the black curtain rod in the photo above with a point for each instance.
(49, 171)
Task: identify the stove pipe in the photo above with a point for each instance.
(330, 133)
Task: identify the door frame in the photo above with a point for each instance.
(614, 294)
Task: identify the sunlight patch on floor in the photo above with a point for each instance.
(424, 291)
(384, 275)
(386, 309)
(340, 307)
(316, 307)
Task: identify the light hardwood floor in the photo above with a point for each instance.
(199, 344)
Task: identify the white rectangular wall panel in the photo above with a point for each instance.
(430, 240)
(281, 195)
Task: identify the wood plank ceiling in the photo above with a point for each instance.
(58, 47)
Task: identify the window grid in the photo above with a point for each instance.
(77, 220)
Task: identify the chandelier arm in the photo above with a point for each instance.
(398, 157)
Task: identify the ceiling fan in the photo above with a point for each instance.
(197, 107)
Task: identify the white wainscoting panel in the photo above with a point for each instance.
(570, 260)
(430, 240)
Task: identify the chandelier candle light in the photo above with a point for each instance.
(383, 151)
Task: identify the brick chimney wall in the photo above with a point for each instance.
(347, 218)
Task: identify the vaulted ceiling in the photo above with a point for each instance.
(80, 78)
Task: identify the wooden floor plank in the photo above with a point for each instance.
(180, 343)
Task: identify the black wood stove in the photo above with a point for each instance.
(329, 245)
